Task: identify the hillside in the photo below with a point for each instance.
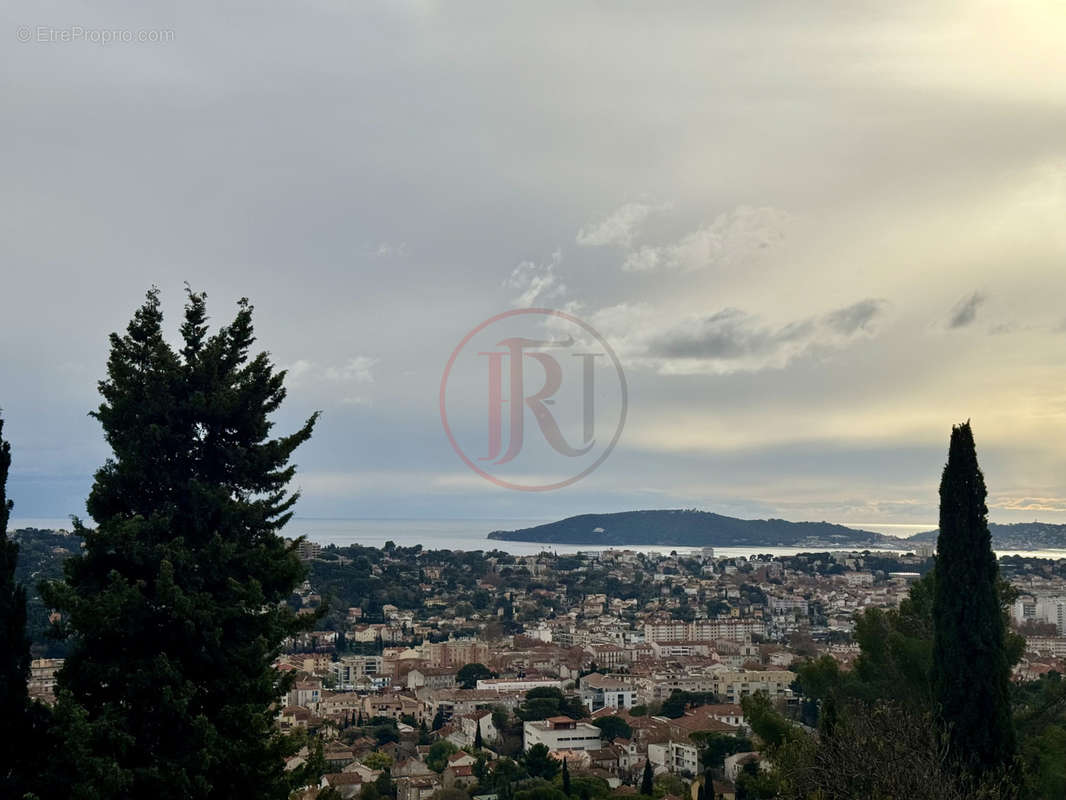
(683, 528)
(1017, 536)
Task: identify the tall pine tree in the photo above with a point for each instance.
(14, 649)
(971, 672)
(177, 604)
(647, 779)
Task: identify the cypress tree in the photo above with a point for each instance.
(14, 649)
(478, 741)
(647, 780)
(971, 672)
(566, 778)
(177, 602)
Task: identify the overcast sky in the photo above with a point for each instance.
(816, 235)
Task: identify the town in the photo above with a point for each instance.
(446, 675)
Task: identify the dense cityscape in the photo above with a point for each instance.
(425, 668)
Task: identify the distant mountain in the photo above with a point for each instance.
(693, 529)
(1017, 536)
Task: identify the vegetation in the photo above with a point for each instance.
(176, 606)
(971, 674)
(613, 728)
(547, 701)
(927, 711)
(469, 674)
(15, 708)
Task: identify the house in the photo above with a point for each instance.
(678, 757)
(431, 678)
(561, 733)
(417, 787)
(606, 758)
(458, 777)
(469, 724)
(604, 691)
(411, 768)
(461, 759)
(338, 757)
(346, 784)
(392, 706)
(305, 693)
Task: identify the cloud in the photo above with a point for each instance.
(727, 335)
(536, 282)
(1035, 504)
(355, 370)
(740, 235)
(855, 317)
(618, 228)
(388, 250)
(965, 311)
(730, 340)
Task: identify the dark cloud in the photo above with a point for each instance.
(728, 334)
(734, 334)
(965, 311)
(855, 317)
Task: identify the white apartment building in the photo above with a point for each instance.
(680, 758)
(517, 684)
(561, 733)
(605, 691)
(1054, 646)
(733, 685)
(703, 630)
(1041, 608)
(350, 671)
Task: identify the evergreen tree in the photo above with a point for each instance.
(566, 778)
(14, 650)
(177, 602)
(647, 780)
(478, 742)
(971, 672)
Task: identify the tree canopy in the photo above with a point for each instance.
(176, 606)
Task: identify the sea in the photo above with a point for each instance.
(471, 534)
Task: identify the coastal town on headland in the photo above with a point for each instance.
(451, 675)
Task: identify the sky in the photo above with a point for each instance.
(815, 236)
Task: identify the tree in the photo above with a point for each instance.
(880, 750)
(469, 674)
(438, 720)
(378, 760)
(613, 728)
(478, 742)
(549, 701)
(718, 746)
(539, 763)
(177, 602)
(14, 652)
(500, 717)
(566, 778)
(437, 757)
(971, 673)
(647, 780)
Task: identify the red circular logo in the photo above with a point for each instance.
(549, 437)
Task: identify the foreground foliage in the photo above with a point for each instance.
(175, 609)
